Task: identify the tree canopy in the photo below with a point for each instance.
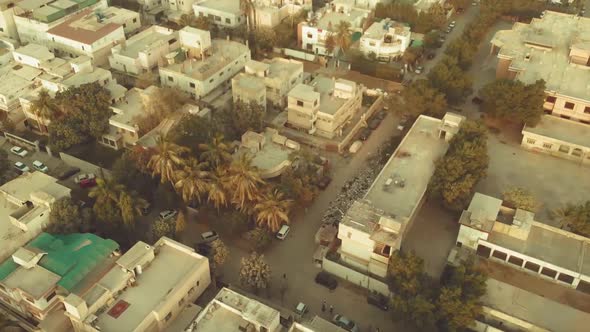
(255, 272)
(451, 80)
(422, 22)
(464, 164)
(421, 98)
(519, 198)
(514, 101)
(5, 167)
(575, 217)
(67, 217)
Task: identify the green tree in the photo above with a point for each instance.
(431, 40)
(464, 164)
(187, 20)
(343, 37)
(259, 238)
(463, 50)
(162, 228)
(272, 210)
(159, 104)
(67, 217)
(244, 180)
(65, 133)
(575, 217)
(203, 23)
(421, 98)
(5, 167)
(44, 107)
(125, 171)
(520, 198)
(193, 130)
(243, 117)
(106, 195)
(514, 101)
(450, 80)
(192, 181)
(166, 160)
(217, 194)
(217, 152)
(247, 7)
(145, 80)
(180, 224)
(255, 272)
(330, 44)
(265, 38)
(130, 205)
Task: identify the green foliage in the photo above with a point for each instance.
(126, 172)
(463, 50)
(265, 39)
(164, 228)
(219, 252)
(431, 40)
(255, 272)
(421, 98)
(575, 217)
(161, 103)
(448, 77)
(519, 198)
(192, 131)
(65, 133)
(243, 117)
(5, 167)
(67, 217)
(259, 238)
(464, 164)
(515, 101)
(422, 22)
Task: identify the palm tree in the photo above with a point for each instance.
(217, 152)
(217, 188)
(166, 160)
(247, 7)
(192, 181)
(243, 179)
(106, 191)
(187, 20)
(273, 210)
(343, 36)
(44, 108)
(330, 44)
(130, 205)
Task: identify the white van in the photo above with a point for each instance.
(282, 233)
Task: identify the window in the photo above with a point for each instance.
(168, 316)
(1, 29)
(134, 20)
(170, 79)
(124, 25)
(550, 99)
(587, 109)
(218, 18)
(564, 149)
(565, 278)
(181, 302)
(499, 255)
(315, 102)
(198, 282)
(211, 81)
(52, 295)
(201, 14)
(577, 152)
(299, 103)
(532, 266)
(483, 251)
(565, 117)
(548, 272)
(172, 41)
(228, 21)
(309, 35)
(515, 260)
(190, 291)
(191, 84)
(569, 106)
(530, 141)
(547, 145)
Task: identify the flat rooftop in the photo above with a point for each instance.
(280, 68)
(147, 40)
(409, 170)
(557, 32)
(562, 129)
(36, 51)
(228, 6)
(378, 29)
(17, 80)
(84, 28)
(23, 186)
(274, 155)
(249, 82)
(324, 86)
(169, 267)
(131, 107)
(223, 52)
(329, 21)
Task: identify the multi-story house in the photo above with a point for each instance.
(225, 13)
(203, 65)
(553, 48)
(7, 25)
(385, 40)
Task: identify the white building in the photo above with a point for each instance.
(270, 13)
(7, 26)
(553, 48)
(225, 13)
(385, 40)
(144, 51)
(372, 229)
(145, 290)
(559, 137)
(24, 209)
(324, 106)
(203, 65)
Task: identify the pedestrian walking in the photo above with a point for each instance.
(331, 309)
(324, 306)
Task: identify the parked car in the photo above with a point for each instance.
(21, 167)
(442, 39)
(17, 150)
(374, 123)
(83, 176)
(87, 183)
(448, 30)
(167, 214)
(324, 182)
(476, 100)
(402, 123)
(379, 300)
(354, 147)
(327, 280)
(208, 236)
(419, 70)
(452, 24)
(203, 249)
(40, 166)
(301, 309)
(282, 233)
(68, 172)
(382, 114)
(364, 134)
(145, 210)
(345, 323)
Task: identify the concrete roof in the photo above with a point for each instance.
(329, 21)
(273, 157)
(36, 51)
(23, 186)
(283, 68)
(228, 6)
(16, 80)
(84, 28)
(562, 129)
(559, 32)
(324, 87)
(411, 163)
(131, 107)
(370, 220)
(147, 40)
(483, 212)
(377, 30)
(249, 82)
(36, 281)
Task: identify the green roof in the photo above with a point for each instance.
(70, 256)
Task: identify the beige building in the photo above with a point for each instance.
(144, 51)
(324, 106)
(553, 48)
(203, 65)
(146, 289)
(559, 137)
(7, 26)
(385, 40)
(224, 13)
(267, 82)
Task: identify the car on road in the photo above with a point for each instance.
(381, 114)
(87, 183)
(419, 70)
(442, 39)
(301, 309)
(402, 123)
(364, 134)
(324, 182)
(354, 147)
(208, 236)
(282, 233)
(476, 100)
(374, 123)
(68, 172)
(17, 150)
(379, 300)
(41, 167)
(21, 167)
(84, 176)
(327, 280)
(474, 3)
(345, 323)
(168, 214)
(452, 24)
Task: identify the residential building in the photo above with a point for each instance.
(40, 274)
(224, 13)
(559, 137)
(267, 82)
(373, 228)
(385, 40)
(90, 33)
(34, 18)
(24, 209)
(312, 34)
(269, 151)
(178, 7)
(148, 287)
(317, 324)
(270, 13)
(16, 81)
(144, 51)
(553, 48)
(7, 25)
(325, 106)
(203, 65)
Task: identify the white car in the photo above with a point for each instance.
(452, 24)
(168, 214)
(81, 177)
(40, 166)
(419, 70)
(282, 233)
(17, 150)
(209, 236)
(21, 167)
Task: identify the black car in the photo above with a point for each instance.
(68, 172)
(327, 280)
(374, 123)
(381, 114)
(476, 100)
(379, 300)
(324, 182)
(364, 134)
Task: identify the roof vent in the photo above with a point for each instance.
(527, 57)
